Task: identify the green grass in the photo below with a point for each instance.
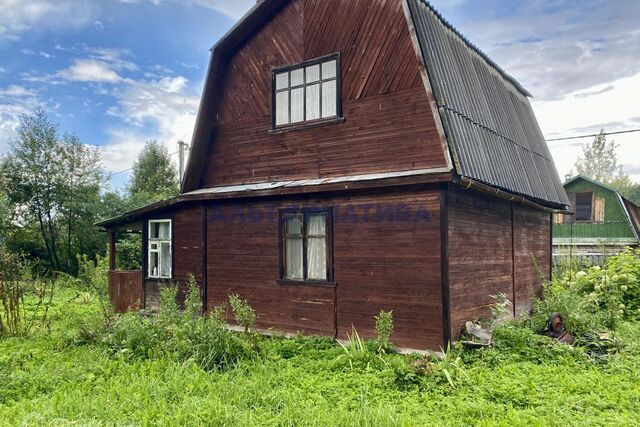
(45, 381)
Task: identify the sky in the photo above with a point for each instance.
(121, 72)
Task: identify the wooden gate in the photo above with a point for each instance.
(125, 290)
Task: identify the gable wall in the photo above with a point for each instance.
(388, 125)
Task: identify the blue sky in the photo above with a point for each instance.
(120, 72)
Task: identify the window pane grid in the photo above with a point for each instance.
(305, 240)
(159, 249)
(311, 93)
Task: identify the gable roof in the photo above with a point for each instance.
(599, 184)
(630, 209)
(490, 129)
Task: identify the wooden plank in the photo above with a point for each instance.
(125, 290)
(480, 255)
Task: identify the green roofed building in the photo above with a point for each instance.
(603, 223)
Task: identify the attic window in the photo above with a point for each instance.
(308, 92)
(584, 206)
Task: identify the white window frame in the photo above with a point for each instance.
(158, 242)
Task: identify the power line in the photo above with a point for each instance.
(111, 175)
(593, 135)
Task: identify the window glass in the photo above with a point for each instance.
(313, 102)
(282, 108)
(313, 73)
(329, 99)
(297, 77)
(154, 264)
(329, 70)
(316, 247)
(294, 225)
(282, 81)
(294, 258)
(297, 105)
(583, 206)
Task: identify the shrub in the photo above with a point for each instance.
(15, 288)
(208, 343)
(624, 269)
(581, 313)
(384, 329)
(243, 313)
(193, 299)
(135, 336)
(358, 354)
(185, 336)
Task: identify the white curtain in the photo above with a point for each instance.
(294, 258)
(294, 247)
(329, 98)
(165, 256)
(297, 105)
(164, 230)
(316, 248)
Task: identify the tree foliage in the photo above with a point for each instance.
(52, 186)
(598, 160)
(154, 176)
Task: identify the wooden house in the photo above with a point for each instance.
(604, 222)
(351, 156)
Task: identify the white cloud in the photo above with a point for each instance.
(555, 48)
(16, 91)
(89, 70)
(14, 102)
(232, 8)
(612, 109)
(115, 57)
(19, 16)
(161, 109)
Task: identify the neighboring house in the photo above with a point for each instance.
(604, 222)
(352, 156)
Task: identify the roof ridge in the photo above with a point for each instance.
(476, 49)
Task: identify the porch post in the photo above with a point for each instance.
(112, 251)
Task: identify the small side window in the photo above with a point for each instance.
(159, 249)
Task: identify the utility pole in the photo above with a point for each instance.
(182, 147)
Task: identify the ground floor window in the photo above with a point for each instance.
(159, 249)
(306, 254)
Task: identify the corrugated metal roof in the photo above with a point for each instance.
(491, 129)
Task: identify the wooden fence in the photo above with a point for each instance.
(125, 290)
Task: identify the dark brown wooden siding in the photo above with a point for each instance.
(480, 255)
(531, 239)
(388, 122)
(390, 261)
(188, 246)
(495, 246)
